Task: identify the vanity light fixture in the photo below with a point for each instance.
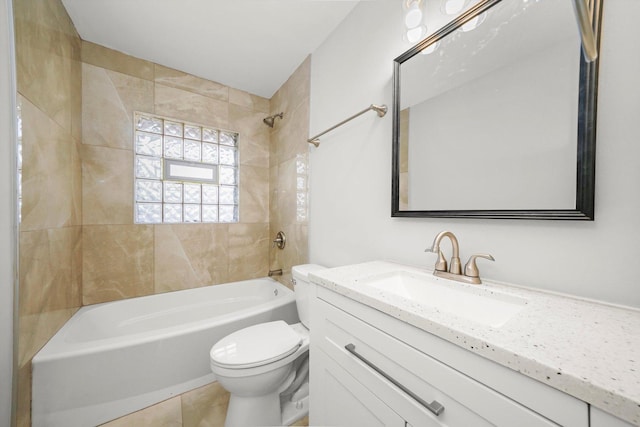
(415, 30)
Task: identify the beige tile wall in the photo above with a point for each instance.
(121, 259)
(49, 88)
(289, 170)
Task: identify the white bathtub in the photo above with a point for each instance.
(115, 358)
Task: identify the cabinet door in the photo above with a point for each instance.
(602, 419)
(342, 401)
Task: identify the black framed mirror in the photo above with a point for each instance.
(494, 116)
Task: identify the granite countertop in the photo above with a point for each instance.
(583, 348)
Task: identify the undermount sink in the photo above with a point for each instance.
(471, 302)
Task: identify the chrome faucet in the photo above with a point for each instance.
(454, 272)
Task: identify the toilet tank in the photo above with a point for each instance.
(302, 288)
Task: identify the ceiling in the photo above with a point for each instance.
(252, 45)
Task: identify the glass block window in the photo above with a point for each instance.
(184, 172)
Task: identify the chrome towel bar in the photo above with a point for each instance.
(380, 109)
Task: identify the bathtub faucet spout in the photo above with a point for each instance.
(277, 272)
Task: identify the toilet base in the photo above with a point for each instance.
(253, 411)
(294, 411)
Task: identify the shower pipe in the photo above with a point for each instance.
(380, 109)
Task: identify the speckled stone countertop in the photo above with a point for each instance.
(586, 349)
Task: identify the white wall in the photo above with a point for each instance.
(350, 180)
(7, 232)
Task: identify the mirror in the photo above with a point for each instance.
(494, 116)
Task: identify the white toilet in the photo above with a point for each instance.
(259, 363)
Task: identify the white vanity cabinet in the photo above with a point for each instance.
(368, 369)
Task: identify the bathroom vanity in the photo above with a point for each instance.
(392, 345)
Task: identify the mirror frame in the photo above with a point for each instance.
(587, 110)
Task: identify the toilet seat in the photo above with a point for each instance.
(256, 345)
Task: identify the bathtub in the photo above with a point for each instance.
(115, 358)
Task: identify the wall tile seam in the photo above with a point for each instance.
(194, 92)
(35, 230)
(85, 144)
(108, 65)
(40, 108)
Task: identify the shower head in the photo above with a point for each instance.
(269, 121)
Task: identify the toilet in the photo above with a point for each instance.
(264, 363)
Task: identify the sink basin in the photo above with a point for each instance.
(471, 302)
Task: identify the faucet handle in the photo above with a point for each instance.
(471, 269)
(441, 263)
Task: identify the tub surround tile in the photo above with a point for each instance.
(594, 356)
(110, 59)
(254, 149)
(36, 329)
(291, 135)
(109, 101)
(163, 414)
(289, 162)
(76, 182)
(274, 146)
(191, 107)
(205, 406)
(107, 188)
(249, 100)
(273, 195)
(47, 45)
(287, 174)
(180, 80)
(49, 266)
(293, 92)
(248, 120)
(254, 194)
(117, 262)
(287, 204)
(190, 255)
(76, 100)
(48, 70)
(49, 195)
(299, 253)
(248, 251)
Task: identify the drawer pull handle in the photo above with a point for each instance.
(435, 407)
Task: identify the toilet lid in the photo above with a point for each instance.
(256, 345)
